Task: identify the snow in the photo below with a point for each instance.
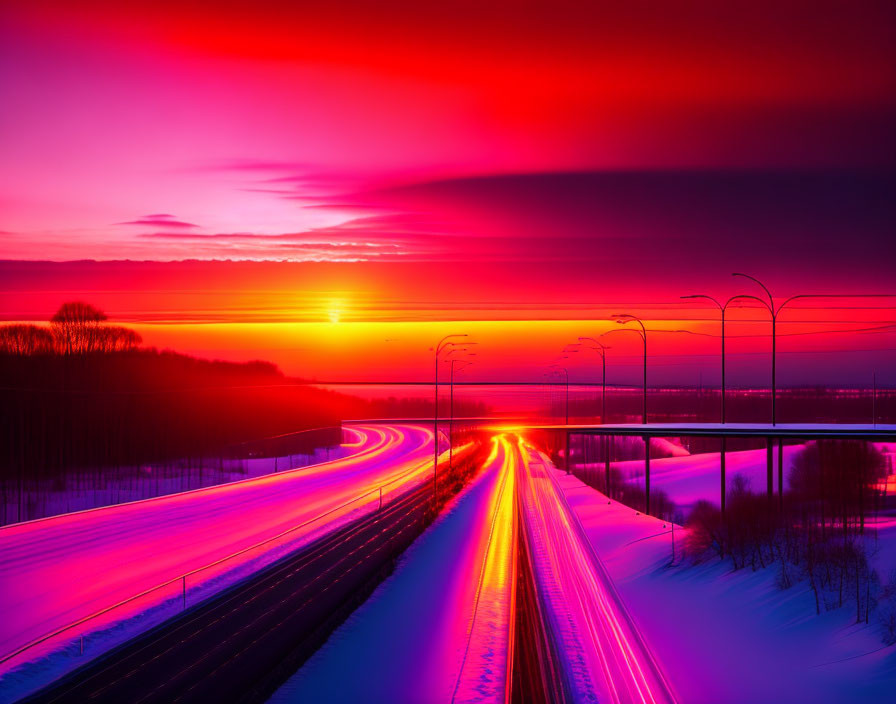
(438, 628)
(687, 479)
(83, 490)
(725, 636)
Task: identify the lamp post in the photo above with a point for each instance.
(774, 315)
(454, 368)
(566, 373)
(566, 432)
(444, 343)
(723, 307)
(601, 349)
(623, 319)
(775, 312)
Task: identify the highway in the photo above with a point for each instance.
(234, 647)
(440, 629)
(449, 612)
(602, 654)
(58, 570)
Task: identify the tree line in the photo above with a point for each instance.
(83, 405)
(76, 328)
(817, 531)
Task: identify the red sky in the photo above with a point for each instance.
(462, 161)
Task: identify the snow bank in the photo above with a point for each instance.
(734, 637)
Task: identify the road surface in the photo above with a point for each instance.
(439, 629)
(231, 647)
(602, 654)
(58, 570)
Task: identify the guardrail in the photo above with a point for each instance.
(151, 607)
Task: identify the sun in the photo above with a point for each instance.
(334, 313)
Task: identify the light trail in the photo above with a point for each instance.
(489, 647)
(441, 628)
(58, 570)
(602, 653)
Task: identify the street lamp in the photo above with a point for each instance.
(454, 367)
(774, 312)
(601, 349)
(623, 319)
(566, 372)
(444, 343)
(566, 433)
(774, 315)
(723, 308)
(548, 396)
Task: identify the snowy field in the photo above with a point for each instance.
(80, 491)
(687, 478)
(734, 637)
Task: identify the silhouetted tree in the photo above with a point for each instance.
(25, 339)
(817, 531)
(76, 327)
(838, 479)
(114, 338)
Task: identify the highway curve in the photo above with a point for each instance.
(58, 570)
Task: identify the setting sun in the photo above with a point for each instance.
(335, 311)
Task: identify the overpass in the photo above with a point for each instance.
(772, 434)
(871, 432)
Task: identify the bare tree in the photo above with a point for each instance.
(113, 338)
(25, 339)
(838, 478)
(76, 327)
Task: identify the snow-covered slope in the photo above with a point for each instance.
(734, 637)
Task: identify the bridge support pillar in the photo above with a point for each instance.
(770, 461)
(606, 444)
(646, 474)
(781, 473)
(723, 488)
(568, 470)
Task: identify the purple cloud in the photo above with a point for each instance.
(158, 220)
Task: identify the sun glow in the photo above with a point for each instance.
(334, 313)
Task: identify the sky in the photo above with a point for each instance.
(195, 167)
